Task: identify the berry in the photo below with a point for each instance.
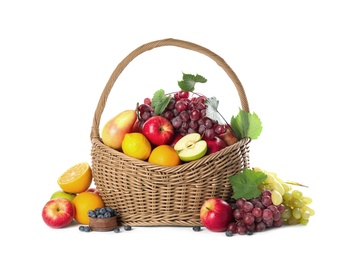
(127, 228)
(196, 228)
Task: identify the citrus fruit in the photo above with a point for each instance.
(76, 179)
(164, 155)
(136, 145)
(83, 202)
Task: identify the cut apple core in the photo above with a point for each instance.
(191, 147)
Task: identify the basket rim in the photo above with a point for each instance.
(182, 167)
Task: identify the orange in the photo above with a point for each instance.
(164, 155)
(83, 202)
(76, 179)
(136, 145)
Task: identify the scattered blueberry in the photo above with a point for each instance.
(249, 232)
(87, 229)
(196, 228)
(229, 233)
(116, 230)
(81, 228)
(127, 228)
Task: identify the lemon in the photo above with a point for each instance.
(136, 145)
(76, 179)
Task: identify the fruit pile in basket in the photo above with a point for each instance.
(178, 127)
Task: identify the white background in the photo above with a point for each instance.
(292, 58)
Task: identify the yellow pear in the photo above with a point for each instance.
(115, 129)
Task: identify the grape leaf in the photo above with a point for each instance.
(246, 124)
(212, 109)
(160, 101)
(245, 184)
(188, 81)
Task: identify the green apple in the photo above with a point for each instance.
(63, 194)
(191, 147)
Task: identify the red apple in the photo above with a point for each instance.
(58, 212)
(176, 138)
(158, 130)
(215, 145)
(216, 214)
(228, 136)
(93, 190)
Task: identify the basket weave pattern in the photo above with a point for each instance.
(152, 195)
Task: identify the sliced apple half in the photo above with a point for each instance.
(191, 147)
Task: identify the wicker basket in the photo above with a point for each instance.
(150, 195)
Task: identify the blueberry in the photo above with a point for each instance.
(91, 213)
(107, 215)
(116, 230)
(127, 228)
(229, 233)
(102, 211)
(109, 209)
(196, 228)
(249, 232)
(99, 216)
(81, 228)
(87, 229)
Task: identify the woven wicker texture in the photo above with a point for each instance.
(151, 195)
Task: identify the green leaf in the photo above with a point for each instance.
(212, 109)
(246, 124)
(160, 101)
(255, 126)
(188, 81)
(245, 184)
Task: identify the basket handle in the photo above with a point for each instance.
(155, 44)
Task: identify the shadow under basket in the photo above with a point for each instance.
(145, 194)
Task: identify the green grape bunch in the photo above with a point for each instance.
(297, 205)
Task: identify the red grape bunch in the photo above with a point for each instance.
(187, 115)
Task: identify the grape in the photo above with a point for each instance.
(266, 201)
(193, 125)
(297, 194)
(171, 104)
(241, 229)
(247, 206)
(240, 202)
(183, 94)
(257, 212)
(219, 129)
(248, 218)
(208, 123)
(292, 205)
(185, 117)
(232, 227)
(266, 193)
(176, 122)
(238, 214)
(276, 197)
(306, 200)
(180, 105)
(267, 214)
(147, 101)
(209, 133)
(260, 227)
(195, 114)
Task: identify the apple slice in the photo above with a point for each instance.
(191, 147)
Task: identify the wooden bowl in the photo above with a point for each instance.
(103, 224)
